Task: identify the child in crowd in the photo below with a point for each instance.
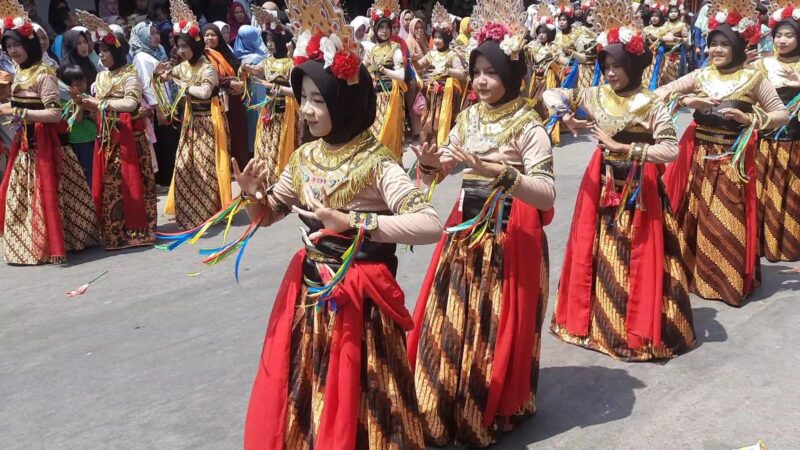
(83, 130)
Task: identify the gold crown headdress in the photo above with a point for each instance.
(616, 23)
(389, 9)
(502, 21)
(565, 7)
(324, 36)
(783, 10)
(544, 17)
(183, 19)
(266, 19)
(659, 6)
(740, 15)
(440, 18)
(15, 18)
(97, 28)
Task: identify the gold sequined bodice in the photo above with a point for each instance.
(439, 63)
(775, 68)
(277, 69)
(483, 128)
(26, 79)
(112, 84)
(614, 113)
(195, 75)
(733, 86)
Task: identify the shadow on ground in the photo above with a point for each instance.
(579, 397)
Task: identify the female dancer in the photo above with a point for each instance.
(334, 371)
(442, 81)
(546, 62)
(778, 159)
(201, 185)
(576, 43)
(386, 64)
(276, 132)
(670, 44)
(711, 185)
(624, 286)
(123, 183)
(475, 347)
(45, 204)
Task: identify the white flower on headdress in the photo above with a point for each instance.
(744, 24)
(19, 21)
(625, 35)
(602, 39)
(329, 45)
(796, 14)
(721, 17)
(511, 46)
(302, 43)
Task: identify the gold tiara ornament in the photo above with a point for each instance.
(324, 36)
(15, 18)
(740, 15)
(616, 23)
(98, 29)
(183, 20)
(440, 18)
(266, 19)
(783, 10)
(545, 17)
(502, 21)
(565, 7)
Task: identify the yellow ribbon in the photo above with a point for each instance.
(451, 86)
(288, 134)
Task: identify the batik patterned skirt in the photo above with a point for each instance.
(712, 217)
(388, 417)
(77, 208)
(778, 169)
(457, 343)
(611, 288)
(197, 194)
(586, 74)
(268, 145)
(116, 235)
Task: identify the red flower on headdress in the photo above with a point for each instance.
(713, 24)
(752, 35)
(26, 30)
(613, 36)
(110, 39)
(773, 23)
(787, 12)
(313, 49)
(734, 18)
(194, 32)
(345, 65)
(8, 23)
(299, 60)
(182, 24)
(636, 45)
(387, 13)
(493, 31)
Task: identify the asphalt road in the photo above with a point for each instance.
(152, 358)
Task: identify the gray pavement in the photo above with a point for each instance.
(152, 358)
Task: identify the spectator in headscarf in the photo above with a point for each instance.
(405, 23)
(225, 30)
(48, 57)
(76, 50)
(109, 10)
(237, 17)
(250, 49)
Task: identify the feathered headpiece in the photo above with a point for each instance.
(183, 20)
(15, 18)
(266, 19)
(565, 7)
(388, 9)
(545, 17)
(616, 23)
(741, 15)
(502, 21)
(440, 18)
(782, 10)
(660, 7)
(324, 36)
(98, 29)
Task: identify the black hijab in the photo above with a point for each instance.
(378, 24)
(352, 107)
(281, 50)
(570, 21)
(31, 45)
(70, 56)
(795, 26)
(634, 65)
(660, 15)
(222, 47)
(511, 72)
(197, 45)
(446, 37)
(119, 54)
(676, 8)
(551, 34)
(739, 50)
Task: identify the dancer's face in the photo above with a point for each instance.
(785, 39)
(106, 58)
(384, 32)
(438, 42)
(563, 23)
(615, 74)
(16, 51)
(674, 14)
(184, 50)
(542, 37)
(314, 109)
(487, 82)
(721, 50)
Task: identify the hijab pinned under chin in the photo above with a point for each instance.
(634, 65)
(511, 72)
(738, 46)
(352, 107)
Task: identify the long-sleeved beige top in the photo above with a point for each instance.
(360, 176)
(638, 112)
(747, 84)
(510, 134)
(774, 68)
(387, 54)
(39, 84)
(435, 64)
(200, 77)
(121, 89)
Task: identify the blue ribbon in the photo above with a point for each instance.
(571, 81)
(597, 73)
(657, 68)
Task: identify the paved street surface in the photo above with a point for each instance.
(152, 358)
